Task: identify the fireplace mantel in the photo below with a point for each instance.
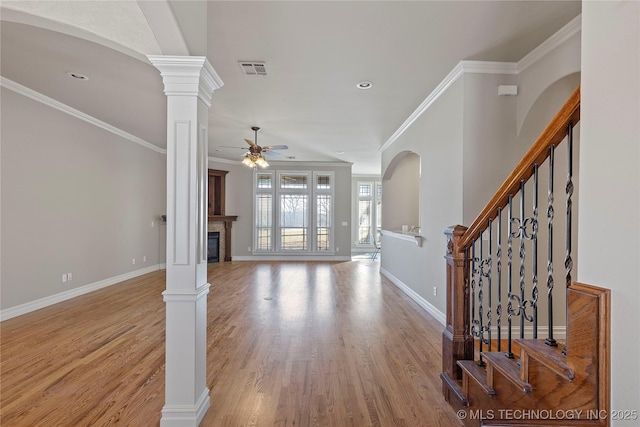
(228, 222)
(224, 218)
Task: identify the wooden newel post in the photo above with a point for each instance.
(457, 343)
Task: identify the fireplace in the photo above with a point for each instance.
(213, 246)
(218, 220)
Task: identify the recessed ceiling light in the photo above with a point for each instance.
(77, 76)
(339, 152)
(364, 85)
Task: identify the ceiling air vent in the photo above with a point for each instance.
(253, 68)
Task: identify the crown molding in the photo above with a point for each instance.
(227, 161)
(475, 67)
(309, 163)
(572, 28)
(50, 102)
(488, 67)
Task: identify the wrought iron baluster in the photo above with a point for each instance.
(534, 237)
(550, 212)
(522, 257)
(474, 322)
(510, 311)
(467, 325)
(499, 277)
(488, 275)
(480, 299)
(568, 262)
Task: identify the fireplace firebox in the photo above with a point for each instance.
(213, 246)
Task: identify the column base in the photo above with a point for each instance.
(186, 415)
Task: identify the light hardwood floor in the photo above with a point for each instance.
(289, 344)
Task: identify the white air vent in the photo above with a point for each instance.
(253, 68)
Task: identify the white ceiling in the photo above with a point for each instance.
(315, 53)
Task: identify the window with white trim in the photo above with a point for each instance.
(324, 211)
(264, 211)
(369, 194)
(296, 215)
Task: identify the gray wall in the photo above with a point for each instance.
(402, 193)
(468, 144)
(437, 138)
(609, 211)
(489, 129)
(75, 199)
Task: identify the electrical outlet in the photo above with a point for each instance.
(435, 291)
(144, 258)
(69, 277)
(153, 223)
(133, 261)
(64, 278)
(337, 249)
(248, 248)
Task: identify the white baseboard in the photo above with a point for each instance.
(559, 332)
(292, 258)
(28, 307)
(426, 305)
(186, 415)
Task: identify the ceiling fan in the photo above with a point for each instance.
(254, 157)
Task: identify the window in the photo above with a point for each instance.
(264, 212)
(296, 215)
(324, 212)
(369, 211)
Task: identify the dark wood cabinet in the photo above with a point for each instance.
(217, 184)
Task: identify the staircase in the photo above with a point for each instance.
(526, 381)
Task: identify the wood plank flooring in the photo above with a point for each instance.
(289, 344)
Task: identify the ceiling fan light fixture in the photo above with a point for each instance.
(262, 162)
(247, 161)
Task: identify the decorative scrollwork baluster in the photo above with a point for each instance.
(499, 277)
(522, 253)
(510, 311)
(489, 262)
(568, 262)
(476, 321)
(467, 325)
(550, 213)
(480, 272)
(534, 238)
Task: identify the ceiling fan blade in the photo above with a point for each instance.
(236, 148)
(272, 153)
(276, 147)
(251, 143)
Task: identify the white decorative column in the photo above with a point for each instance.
(189, 82)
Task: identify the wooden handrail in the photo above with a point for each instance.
(554, 133)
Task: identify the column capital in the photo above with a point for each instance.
(187, 76)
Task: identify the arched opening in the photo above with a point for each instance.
(401, 189)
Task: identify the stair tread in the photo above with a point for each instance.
(478, 373)
(507, 367)
(455, 387)
(549, 356)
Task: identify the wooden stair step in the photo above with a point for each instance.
(455, 387)
(478, 373)
(507, 367)
(551, 357)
